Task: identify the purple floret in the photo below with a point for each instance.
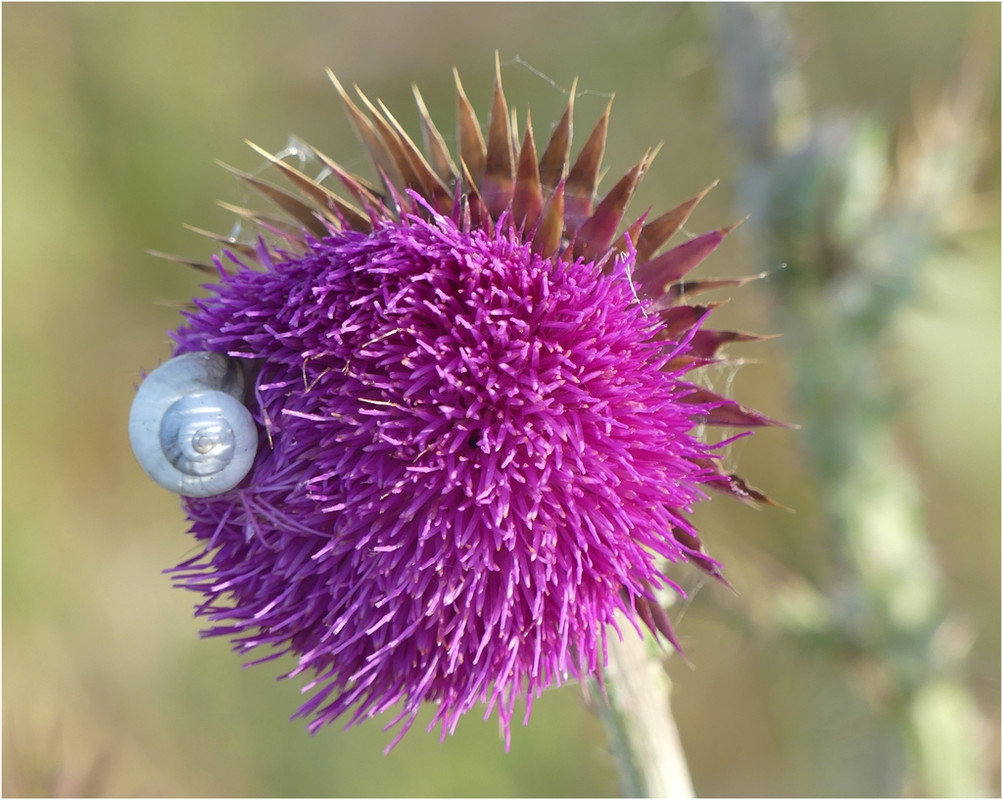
(471, 457)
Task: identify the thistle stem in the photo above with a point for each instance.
(639, 723)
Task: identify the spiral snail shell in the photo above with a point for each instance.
(189, 428)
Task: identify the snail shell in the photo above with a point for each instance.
(189, 428)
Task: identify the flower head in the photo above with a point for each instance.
(477, 439)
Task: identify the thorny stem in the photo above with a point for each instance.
(641, 731)
(852, 257)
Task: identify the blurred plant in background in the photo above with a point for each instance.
(113, 116)
(855, 231)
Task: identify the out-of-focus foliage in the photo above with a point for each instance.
(113, 115)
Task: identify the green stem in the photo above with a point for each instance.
(640, 727)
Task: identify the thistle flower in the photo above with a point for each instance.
(477, 439)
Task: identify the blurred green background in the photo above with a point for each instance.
(113, 115)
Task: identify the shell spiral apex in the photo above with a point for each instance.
(189, 428)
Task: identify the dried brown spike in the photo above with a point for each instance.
(554, 162)
(473, 190)
(431, 185)
(696, 554)
(392, 145)
(367, 134)
(580, 188)
(620, 245)
(435, 145)
(229, 242)
(334, 208)
(679, 319)
(498, 170)
(294, 207)
(658, 275)
(688, 288)
(200, 266)
(366, 196)
(686, 363)
(400, 203)
(657, 620)
(660, 230)
(726, 411)
(472, 147)
(527, 201)
(475, 208)
(547, 238)
(596, 234)
(706, 343)
(661, 272)
(736, 486)
(279, 226)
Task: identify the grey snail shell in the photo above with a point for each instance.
(189, 428)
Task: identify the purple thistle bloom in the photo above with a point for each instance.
(476, 440)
